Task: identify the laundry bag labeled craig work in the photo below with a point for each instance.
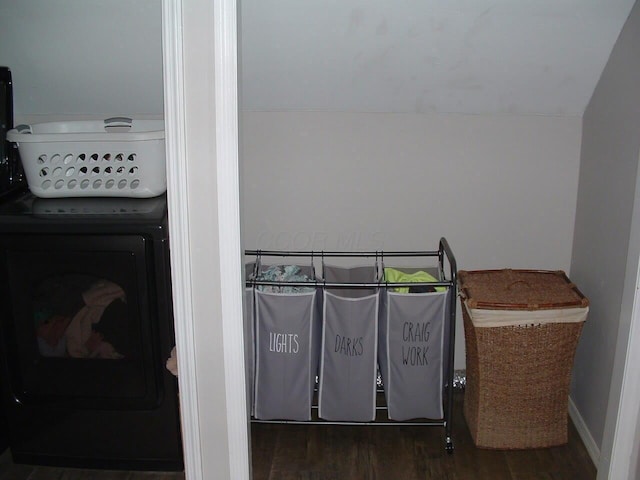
(287, 332)
(412, 345)
(348, 369)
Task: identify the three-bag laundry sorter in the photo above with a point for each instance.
(367, 344)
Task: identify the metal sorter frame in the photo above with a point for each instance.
(445, 258)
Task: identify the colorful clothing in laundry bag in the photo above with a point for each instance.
(285, 274)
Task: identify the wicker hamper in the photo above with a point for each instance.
(521, 331)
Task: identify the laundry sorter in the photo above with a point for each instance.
(330, 342)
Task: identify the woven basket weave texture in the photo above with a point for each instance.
(519, 290)
(518, 377)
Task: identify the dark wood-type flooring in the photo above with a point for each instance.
(11, 471)
(319, 452)
(324, 452)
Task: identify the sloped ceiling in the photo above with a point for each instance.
(455, 56)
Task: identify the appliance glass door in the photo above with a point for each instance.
(80, 328)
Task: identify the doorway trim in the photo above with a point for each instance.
(621, 439)
(175, 144)
(223, 126)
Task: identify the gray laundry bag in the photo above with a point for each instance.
(412, 353)
(287, 339)
(348, 368)
(249, 334)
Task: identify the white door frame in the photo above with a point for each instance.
(621, 439)
(219, 122)
(624, 450)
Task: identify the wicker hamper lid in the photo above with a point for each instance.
(519, 290)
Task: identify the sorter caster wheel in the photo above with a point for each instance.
(449, 446)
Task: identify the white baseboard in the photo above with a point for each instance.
(585, 434)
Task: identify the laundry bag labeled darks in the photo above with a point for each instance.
(412, 351)
(287, 334)
(348, 368)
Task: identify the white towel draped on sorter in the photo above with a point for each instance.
(287, 342)
(411, 351)
(348, 371)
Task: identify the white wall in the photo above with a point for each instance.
(463, 56)
(502, 189)
(94, 57)
(604, 262)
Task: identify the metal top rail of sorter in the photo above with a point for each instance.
(443, 251)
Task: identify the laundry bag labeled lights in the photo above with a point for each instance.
(287, 332)
(348, 369)
(411, 345)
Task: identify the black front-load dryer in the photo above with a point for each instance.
(85, 330)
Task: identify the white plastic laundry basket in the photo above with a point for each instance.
(117, 157)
